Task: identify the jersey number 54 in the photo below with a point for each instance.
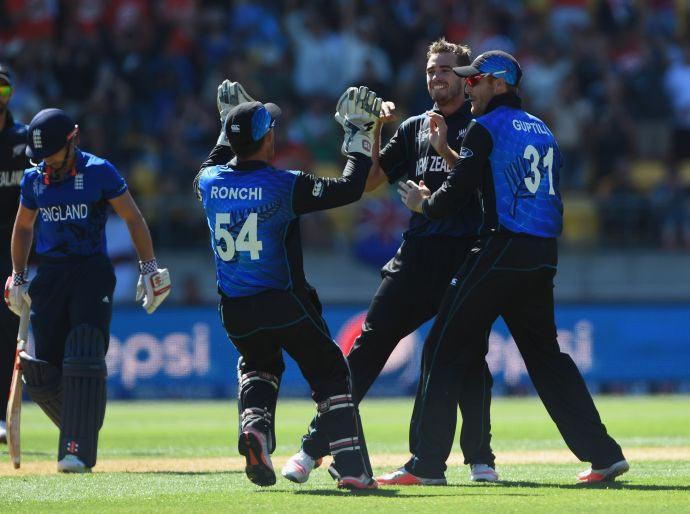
(246, 240)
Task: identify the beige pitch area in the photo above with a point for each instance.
(216, 464)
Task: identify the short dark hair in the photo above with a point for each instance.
(247, 150)
(441, 46)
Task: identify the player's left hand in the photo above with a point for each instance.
(230, 95)
(358, 111)
(153, 286)
(412, 195)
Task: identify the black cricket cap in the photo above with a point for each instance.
(49, 131)
(497, 63)
(248, 122)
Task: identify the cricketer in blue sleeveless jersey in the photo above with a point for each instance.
(64, 201)
(266, 305)
(511, 158)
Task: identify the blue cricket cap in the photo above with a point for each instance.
(49, 131)
(496, 63)
(248, 122)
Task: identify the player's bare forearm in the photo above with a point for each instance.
(21, 246)
(136, 224)
(375, 179)
(22, 237)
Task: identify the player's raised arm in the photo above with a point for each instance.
(357, 112)
(377, 176)
(230, 94)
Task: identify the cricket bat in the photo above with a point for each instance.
(14, 407)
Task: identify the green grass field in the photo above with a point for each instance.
(181, 457)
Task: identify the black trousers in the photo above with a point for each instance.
(65, 294)
(510, 277)
(9, 325)
(410, 294)
(260, 326)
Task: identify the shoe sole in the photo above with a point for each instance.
(258, 471)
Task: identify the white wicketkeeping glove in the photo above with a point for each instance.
(357, 111)
(153, 286)
(230, 94)
(17, 291)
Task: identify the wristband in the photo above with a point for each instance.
(149, 266)
(20, 277)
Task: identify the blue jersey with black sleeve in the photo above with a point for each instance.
(72, 213)
(511, 158)
(525, 162)
(249, 214)
(253, 210)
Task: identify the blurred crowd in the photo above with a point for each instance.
(612, 79)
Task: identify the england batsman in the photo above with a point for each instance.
(415, 280)
(13, 162)
(266, 303)
(512, 159)
(66, 195)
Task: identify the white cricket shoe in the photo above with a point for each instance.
(592, 476)
(3, 432)
(72, 464)
(483, 473)
(298, 467)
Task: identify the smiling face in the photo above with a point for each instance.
(444, 86)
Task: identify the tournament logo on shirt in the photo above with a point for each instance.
(38, 187)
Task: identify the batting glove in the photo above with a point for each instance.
(153, 286)
(230, 94)
(357, 111)
(17, 291)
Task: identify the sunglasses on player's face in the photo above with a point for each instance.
(5, 91)
(473, 80)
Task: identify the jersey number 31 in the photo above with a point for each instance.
(532, 155)
(246, 239)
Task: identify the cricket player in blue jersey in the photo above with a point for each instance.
(266, 302)
(66, 196)
(513, 160)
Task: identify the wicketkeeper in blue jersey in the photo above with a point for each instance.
(266, 302)
(66, 196)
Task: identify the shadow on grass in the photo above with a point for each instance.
(623, 485)
(182, 473)
(387, 493)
